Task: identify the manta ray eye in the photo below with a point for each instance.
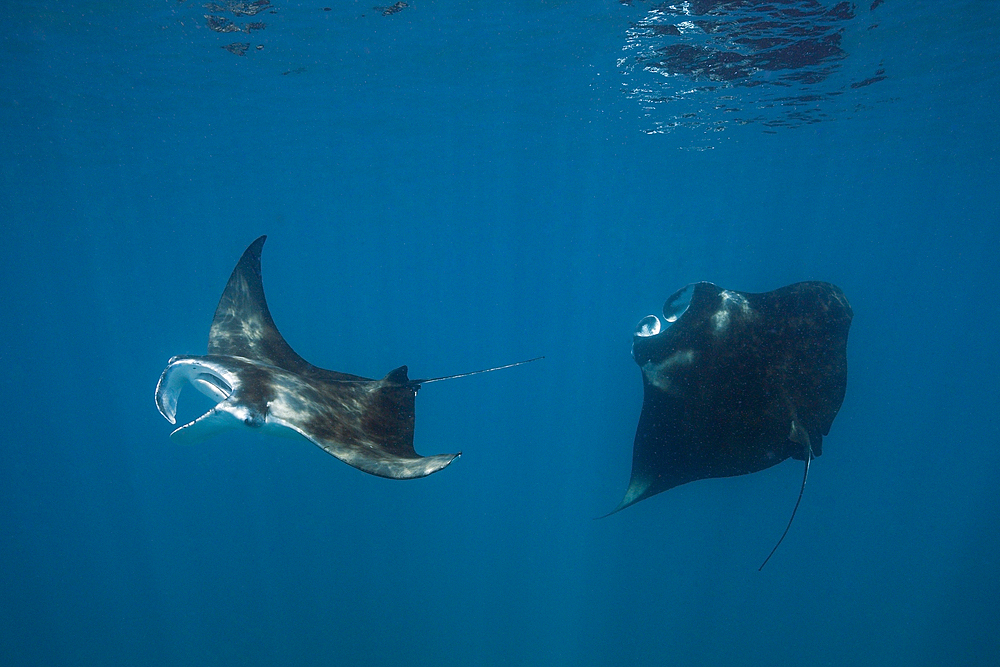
(648, 326)
(678, 303)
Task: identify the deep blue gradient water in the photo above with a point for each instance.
(460, 185)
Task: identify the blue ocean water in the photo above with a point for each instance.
(454, 186)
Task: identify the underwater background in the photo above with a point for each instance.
(458, 185)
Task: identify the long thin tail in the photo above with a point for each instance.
(485, 370)
(805, 475)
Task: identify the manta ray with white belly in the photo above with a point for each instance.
(260, 383)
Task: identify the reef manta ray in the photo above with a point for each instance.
(260, 383)
(736, 382)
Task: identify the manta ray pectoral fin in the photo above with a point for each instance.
(399, 468)
(638, 489)
(373, 460)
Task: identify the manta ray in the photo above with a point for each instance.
(260, 383)
(736, 382)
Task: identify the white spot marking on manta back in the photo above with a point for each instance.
(731, 301)
(297, 401)
(720, 320)
(736, 300)
(660, 374)
(252, 330)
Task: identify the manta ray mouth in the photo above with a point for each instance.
(179, 372)
(213, 386)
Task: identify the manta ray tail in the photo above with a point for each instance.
(485, 370)
(800, 435)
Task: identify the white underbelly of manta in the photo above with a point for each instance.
(289, 403)
(203, 429)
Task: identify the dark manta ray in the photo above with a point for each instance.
(260, 383)
(736, 382)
